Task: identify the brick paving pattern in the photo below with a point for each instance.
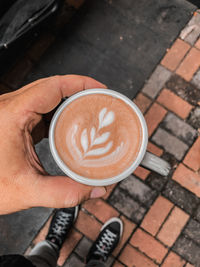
(161, 215)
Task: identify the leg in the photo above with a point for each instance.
(44, 254)
(105, 243)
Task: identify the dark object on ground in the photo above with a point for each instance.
(20, 20)
(15, 261)
(195, 2)
(61, 225)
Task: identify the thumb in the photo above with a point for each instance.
(60, 192)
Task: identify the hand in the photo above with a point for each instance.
(23, 181)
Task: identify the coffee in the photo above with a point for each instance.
(98, 136)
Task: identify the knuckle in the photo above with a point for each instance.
(76, 198)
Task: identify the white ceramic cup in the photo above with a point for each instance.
(144, 158)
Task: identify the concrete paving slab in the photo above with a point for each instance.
(117, 42)
(20, 228)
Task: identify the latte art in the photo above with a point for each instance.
(98, 136)
(89, 142)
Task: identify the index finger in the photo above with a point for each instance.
(45, 96)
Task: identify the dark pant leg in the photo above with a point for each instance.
(44, 254)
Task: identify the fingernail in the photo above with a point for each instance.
(97, 192)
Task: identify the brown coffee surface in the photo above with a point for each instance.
(98, 136)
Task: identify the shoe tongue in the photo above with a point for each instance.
(64, 219)
(105, 243)
(110, 233)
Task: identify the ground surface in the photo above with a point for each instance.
(117, 42)
(162, 213)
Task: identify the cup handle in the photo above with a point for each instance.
(154, 163)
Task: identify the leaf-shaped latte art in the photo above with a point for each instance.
(101, 139)
(105, 118)
(94, 139)
(92, 135)
(84, 140)
(102, 115)
(100, 151)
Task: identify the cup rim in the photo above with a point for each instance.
(90, 181)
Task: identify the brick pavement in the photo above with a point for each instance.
(161, 215)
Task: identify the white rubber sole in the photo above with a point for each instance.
(114, 219)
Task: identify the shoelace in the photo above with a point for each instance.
(105, 243)
(60, 225)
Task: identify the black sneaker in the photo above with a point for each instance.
(107, 240)
(61, 223)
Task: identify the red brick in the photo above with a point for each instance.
(154, 116)
(192, 158)
(100, 209)
(141, 172)
(142, 102)
(175, 54)
(133, 258)
(154, 149)
(128, 228)
(109, 189)
(88, 225)
(144, 242)
(198, 43)
(156, 215)
(173, 260)
(188, 179)
(117, 264)
(173, 226)
(43, 232)
(189, 65)
(72, 240)
(174, 103)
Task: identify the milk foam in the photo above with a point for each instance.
(88, 141)
(98, 136)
